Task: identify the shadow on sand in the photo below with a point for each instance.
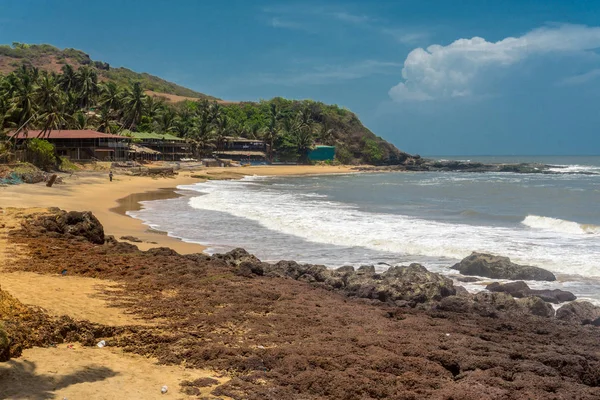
(18, 380)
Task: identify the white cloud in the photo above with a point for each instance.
(581, 79)
(326, 74)
(450, 71)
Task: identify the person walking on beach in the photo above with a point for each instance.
(110, 175)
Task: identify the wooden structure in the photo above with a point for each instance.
(240, 149)
(81, 145)
(159, 146)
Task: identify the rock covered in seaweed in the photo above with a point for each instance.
(579, 312)
(75, 224)
(498, 267)
(520, 289)
(397, 285)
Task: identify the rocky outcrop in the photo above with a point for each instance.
(496, 267)
(493, 304)
(73, 224)
(407, 285)
(520, 289)
(579, 312)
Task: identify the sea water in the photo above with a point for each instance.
(434, 218)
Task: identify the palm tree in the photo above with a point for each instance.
(254, 130)
(106, 122)
(87, 86)
(80, 120)
(50, 101)
(133, 105)
(325, 134)
(68, 78)
(21, 90)
(166, 120)
(303, 134)
(222, 129)
(272, 130)
(110, 96)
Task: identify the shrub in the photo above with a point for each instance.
(41, 153)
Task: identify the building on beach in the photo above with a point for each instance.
(80, 145)
(159, 147)
(322, 153)
(243, 150)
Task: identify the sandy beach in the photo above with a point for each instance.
(235, 328)
(110, 200)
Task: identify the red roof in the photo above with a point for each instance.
(68, 134)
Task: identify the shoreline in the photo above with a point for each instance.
(109, 201)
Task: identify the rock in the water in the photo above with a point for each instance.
(579, 312)
(520, 289)
(497, 267)
(536, 306)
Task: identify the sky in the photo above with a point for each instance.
(445, 77)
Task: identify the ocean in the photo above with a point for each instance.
(382, 219)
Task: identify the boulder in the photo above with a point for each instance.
(520, 289)
(497, 267)
(579, 312)
(536, 306)
(72, 224)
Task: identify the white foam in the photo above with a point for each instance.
(575, 169)
(560, 225)
(323, 221)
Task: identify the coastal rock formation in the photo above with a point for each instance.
(398, 285)
(498, 267)
(72, 224)
(520, 289)
(494, 304)
(579, 312)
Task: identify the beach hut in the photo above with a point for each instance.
(80, 145)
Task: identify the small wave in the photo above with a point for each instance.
(560, 225)
(575, 169)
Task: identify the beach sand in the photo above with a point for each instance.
(74, 372)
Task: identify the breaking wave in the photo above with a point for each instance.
(560, 225)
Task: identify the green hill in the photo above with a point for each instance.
(50, 58)
(37, 91)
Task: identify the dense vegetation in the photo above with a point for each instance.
(47, 57)
(32, 98)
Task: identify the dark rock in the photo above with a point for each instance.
(520, 289)
(516, 289)
(536, 306)
(162, 251)
(497, 267)
(131, 239)
(579, 312)
(366, 270)
(73, 224)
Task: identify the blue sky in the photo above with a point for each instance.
(433, 77)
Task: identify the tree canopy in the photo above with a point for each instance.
(76, 98)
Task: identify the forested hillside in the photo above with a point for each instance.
(66, 96)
